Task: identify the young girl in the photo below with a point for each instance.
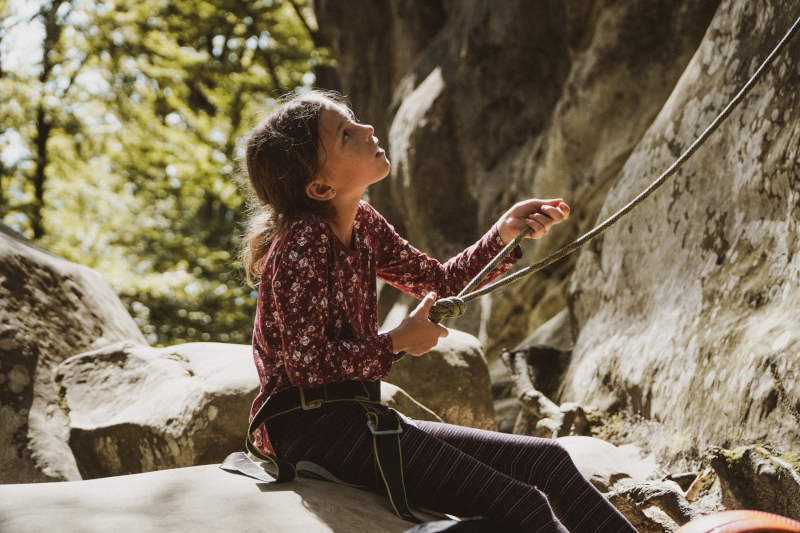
(318, 250)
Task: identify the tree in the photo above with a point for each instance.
(141, 161)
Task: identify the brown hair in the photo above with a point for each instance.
(281, 158)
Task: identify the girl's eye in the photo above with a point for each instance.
(345, 136)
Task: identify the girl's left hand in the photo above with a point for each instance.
(540, 215)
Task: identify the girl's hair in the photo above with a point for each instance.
(281, 158)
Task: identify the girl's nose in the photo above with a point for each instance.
(369, 130)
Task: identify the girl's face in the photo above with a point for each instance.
(350, 158)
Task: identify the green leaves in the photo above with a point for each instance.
(146, 105)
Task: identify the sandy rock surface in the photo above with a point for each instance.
(194, 500)
(50, 310)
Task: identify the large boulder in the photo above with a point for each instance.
(195, 500)
(688, 308)
(452, 380)
(132, 408)
(50, 309)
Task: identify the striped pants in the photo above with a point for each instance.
(522, 483)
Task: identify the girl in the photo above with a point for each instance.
(318, 249)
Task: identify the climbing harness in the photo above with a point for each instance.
(455, 306)
(385, 425)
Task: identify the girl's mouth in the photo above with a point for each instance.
(380, 152)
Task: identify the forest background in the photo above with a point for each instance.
(121, 124)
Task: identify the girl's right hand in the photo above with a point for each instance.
(416, 334)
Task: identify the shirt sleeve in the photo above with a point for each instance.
(413, 272)
(311, 355)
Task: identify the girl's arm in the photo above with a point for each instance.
(302, 309)
(412, 271)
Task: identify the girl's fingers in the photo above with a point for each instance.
(538, 228)
(542, 219)
(556, 214)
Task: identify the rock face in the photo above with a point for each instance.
(688, 309)
(50, 309)
(133, 408)
(487, 103)
(452, 380)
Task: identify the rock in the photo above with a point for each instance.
(665, 497)
(635, 515)
(753, 478)
(687, 309)
(396, 398)
(192, 500)
(134, 409)
(50, 309)
(452, 380)
(556, 333)
(606, 466)
(653, 508)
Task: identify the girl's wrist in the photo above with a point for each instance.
(395, 336)
(503, 231)
(394, 343)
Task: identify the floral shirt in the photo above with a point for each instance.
(317, 311)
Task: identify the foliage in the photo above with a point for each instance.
(120, 145)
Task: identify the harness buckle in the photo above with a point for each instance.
(314, 403)
(384, 432)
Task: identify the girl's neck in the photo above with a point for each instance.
(345, 219)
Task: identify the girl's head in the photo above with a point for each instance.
(282, 158)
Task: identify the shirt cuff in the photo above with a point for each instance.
(496, 245)
(386, 350)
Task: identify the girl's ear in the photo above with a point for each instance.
(316, 190)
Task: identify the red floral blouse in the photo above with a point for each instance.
(317, 311)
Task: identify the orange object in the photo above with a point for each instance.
(741, 522)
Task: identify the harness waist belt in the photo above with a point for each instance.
(297, 398)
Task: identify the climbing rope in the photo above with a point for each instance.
(456, 306)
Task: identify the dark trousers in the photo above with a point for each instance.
(523, 483)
